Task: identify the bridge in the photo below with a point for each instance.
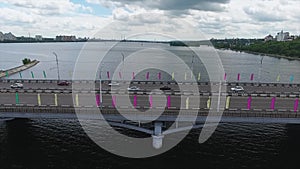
(263, 102)
(45, 96)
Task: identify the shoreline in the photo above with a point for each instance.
(262, 54)
(272, 55)
(17, 69)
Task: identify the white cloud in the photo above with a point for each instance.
(264, 15)
(235, 18)
(49, 18)
(49, 7)
(215, 18)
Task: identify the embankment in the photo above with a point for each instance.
(14, 70)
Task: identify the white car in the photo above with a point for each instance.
(237, 89)
(133, 88)
(17, 85)
(114, 84)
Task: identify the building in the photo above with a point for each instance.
(294, 37)
(1, 36)
(9, 36)
(64, 38)
(25, 39)
(38, 37)
(48, 39)
(269, 38)
(282, 36)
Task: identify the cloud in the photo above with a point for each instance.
(172, 6)
(145, 24)
(49, 18)
(50, 7)
(202, 5)
(215, 18)
(264, 15)
(14, 17)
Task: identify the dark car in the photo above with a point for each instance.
(63, 83)
(165, 88)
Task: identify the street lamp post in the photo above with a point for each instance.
(192, 73)
(101, 99)
(122, 65)
(58, 76)
(260, 69)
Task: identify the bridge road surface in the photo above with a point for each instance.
(150, 86)
(159, 101)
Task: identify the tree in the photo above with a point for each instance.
(26, 61)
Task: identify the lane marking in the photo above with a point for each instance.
(296, 103)
(55, 100)
(187, 103)
(208, 103)
(17, 98)
(39, 99)
(227, 102)
(77, 100)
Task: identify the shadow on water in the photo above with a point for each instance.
(289, 149)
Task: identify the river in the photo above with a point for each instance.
(61, 143)
(234, 63)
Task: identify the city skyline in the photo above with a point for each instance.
(4, 36)
(215, 19)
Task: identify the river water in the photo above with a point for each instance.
(61, 143)
(234, 63)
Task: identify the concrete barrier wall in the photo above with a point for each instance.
(151, 82)
(93, 110)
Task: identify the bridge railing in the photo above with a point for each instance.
(167, 112)
(152, 82)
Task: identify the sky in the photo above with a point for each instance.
(116, 19)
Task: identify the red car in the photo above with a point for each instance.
(63, 83)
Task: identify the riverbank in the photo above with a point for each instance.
(272, 55)
(262, 54)
(287, 49)
(15, 70)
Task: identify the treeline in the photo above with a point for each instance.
(289, 48)
(189, 43)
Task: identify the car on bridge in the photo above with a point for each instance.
(63, 83)
(114, 84)
(237, 89)
(17, 86)
(165, 88)
(133, 88)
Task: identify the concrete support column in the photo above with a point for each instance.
(157, 128)
(157, 136)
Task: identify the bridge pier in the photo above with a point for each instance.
(157, 136)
